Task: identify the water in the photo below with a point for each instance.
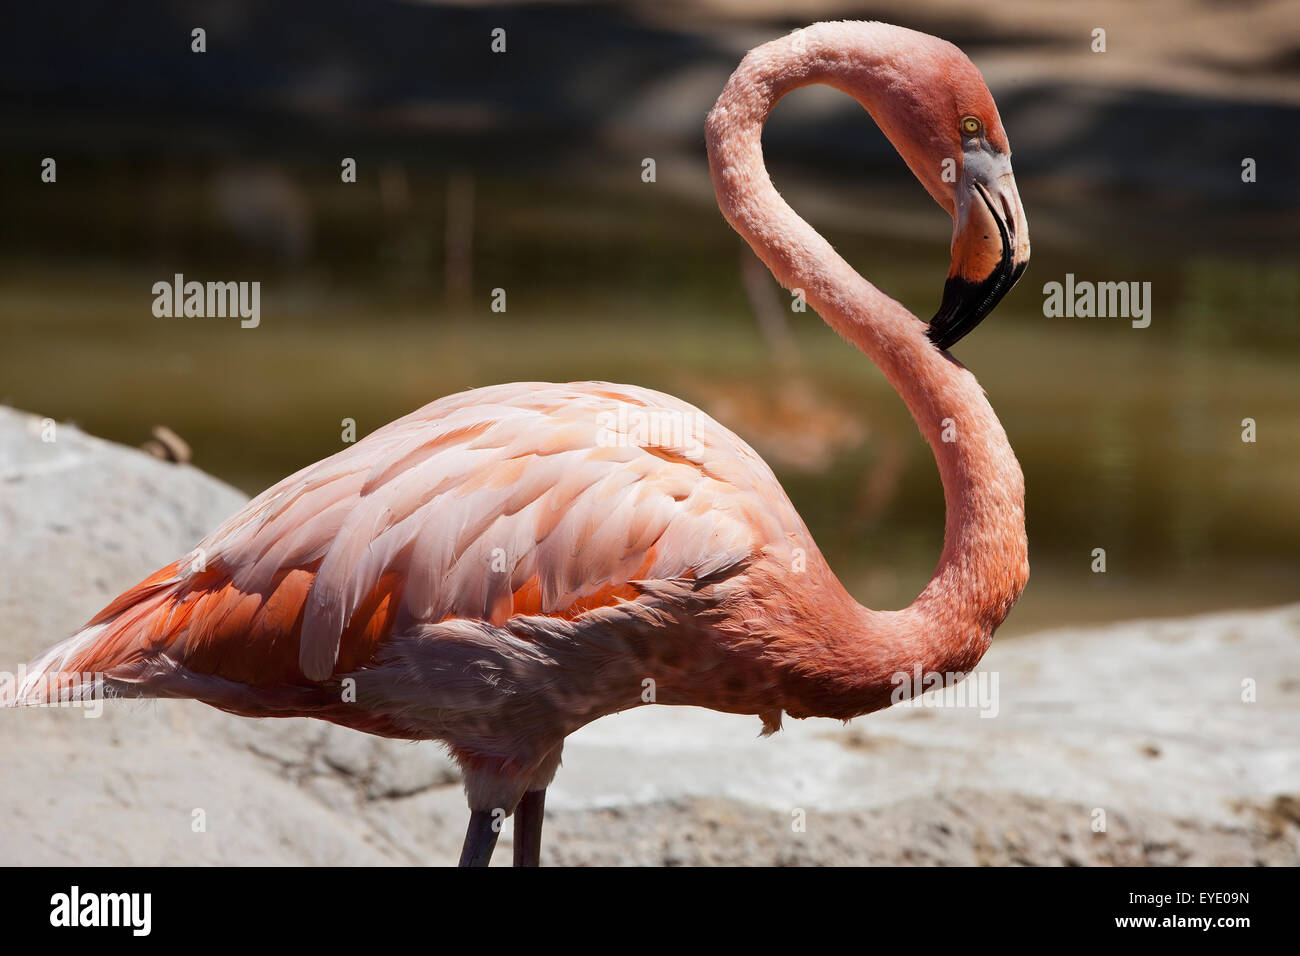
(1131, 439)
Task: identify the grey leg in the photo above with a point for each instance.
(480, 840)
(528, 828)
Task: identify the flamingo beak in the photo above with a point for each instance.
(990, 246)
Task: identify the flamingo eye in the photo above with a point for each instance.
(971, 126)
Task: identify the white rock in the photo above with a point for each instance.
(1143, 720)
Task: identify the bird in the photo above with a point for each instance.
(507, 564)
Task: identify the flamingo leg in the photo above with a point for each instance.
(528, 828)
(480, 839)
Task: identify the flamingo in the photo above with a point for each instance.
(507, 564)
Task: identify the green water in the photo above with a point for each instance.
(1130, 438)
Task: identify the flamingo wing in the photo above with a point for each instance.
(528, 499)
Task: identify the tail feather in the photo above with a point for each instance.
(181, 624)
(74, 669)
(50, 679)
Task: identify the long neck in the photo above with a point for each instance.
(984, 565)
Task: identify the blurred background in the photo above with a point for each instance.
(523, 171)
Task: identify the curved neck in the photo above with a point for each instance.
(984, 565)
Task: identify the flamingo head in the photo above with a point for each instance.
(990, 237)
(940, 116)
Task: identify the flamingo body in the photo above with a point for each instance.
(493, 570)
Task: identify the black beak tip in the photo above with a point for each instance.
(956, 315)
(965, 304)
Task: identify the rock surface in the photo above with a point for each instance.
(1139, 726)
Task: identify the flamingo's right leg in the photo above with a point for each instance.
(532, 809)
(528, 828)
(480, 838)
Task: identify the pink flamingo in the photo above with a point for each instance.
(505, 565)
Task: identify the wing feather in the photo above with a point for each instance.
(520, 499)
